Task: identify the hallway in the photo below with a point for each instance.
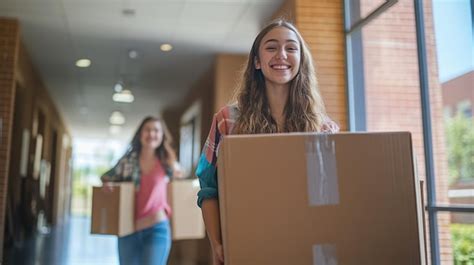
(67, 244)
(78, 77)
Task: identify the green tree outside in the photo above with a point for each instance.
(460, 145)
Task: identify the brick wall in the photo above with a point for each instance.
(321, 24)
(457, 90)
(9, 36)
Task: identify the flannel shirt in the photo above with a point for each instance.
(223, 124)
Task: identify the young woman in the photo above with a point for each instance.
(148, 162)
(278, 93)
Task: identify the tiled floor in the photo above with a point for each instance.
(68, 244)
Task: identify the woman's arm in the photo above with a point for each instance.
(206, 171)
(177, 171)
(116, 173)
(210, 213)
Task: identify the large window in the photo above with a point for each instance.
(398, 53)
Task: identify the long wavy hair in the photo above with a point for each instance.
(164, 152)
(304, 110)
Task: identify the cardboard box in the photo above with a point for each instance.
(320, 199)
(186, 221)
(113, 211)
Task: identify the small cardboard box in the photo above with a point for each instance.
(305, 199)
(113, 211)
(186, 221)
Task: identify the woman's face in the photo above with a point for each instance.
(151, 135)
(279, 56)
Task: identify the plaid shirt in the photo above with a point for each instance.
(223, 124)
(128, 169)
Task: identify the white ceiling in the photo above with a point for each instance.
(58, 32)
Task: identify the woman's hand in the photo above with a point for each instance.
(107, 186)
(217, 254)
(178, 171)
(210, 213)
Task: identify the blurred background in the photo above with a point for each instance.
(77, 76)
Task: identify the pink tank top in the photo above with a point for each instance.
(151, 198)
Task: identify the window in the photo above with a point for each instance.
(397, 81)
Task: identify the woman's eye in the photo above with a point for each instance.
(292, 49)
(270, 48)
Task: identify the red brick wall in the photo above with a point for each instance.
(393, 90)
(457, 90)
(321, 24)
(9, 36)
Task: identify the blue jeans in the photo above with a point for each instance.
(150, 246)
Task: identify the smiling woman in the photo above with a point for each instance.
(149, 162)
(278, 93)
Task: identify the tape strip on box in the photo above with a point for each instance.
(322, 170)
(324, 255)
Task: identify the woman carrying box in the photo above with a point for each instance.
(278, 93)
(148, 162)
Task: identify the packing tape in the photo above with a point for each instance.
(321, 170)
(324, 255)
(103, 220)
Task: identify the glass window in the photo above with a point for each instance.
(384, 95)
(455, 70)
(461, 236)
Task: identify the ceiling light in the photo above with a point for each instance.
(117, 118)
(115, 129)
(83, 63)
(83, 110)
(118, 87)
(166, 47)
(124, 96)
(128, 12)
(133, 54)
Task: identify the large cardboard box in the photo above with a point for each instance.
(113, 211)
(186, 221)
(303, 199)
